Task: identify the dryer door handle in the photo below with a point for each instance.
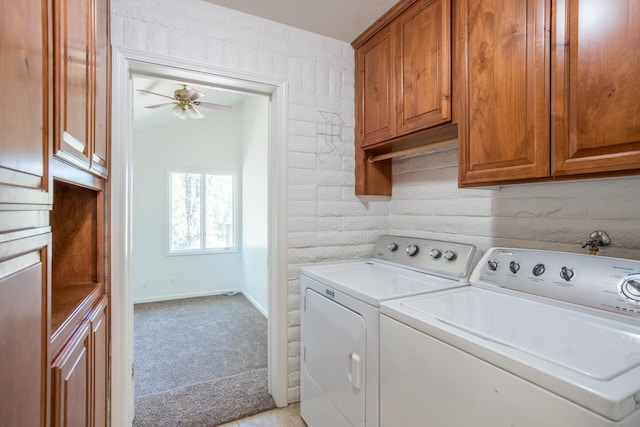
(355, 370)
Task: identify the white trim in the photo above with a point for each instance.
(187, 295)
(125, 63)
(254, 303)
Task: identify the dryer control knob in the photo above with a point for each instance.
(449, 255)
(630, 287)
(435, 253)
(412, 250)
(538, 269)
(514, 267)
(566, 273)
(393, 246)
(492, 265)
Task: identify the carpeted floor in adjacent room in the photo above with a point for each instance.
(199, 362)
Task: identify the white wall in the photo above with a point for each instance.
(211, 143)
(427, 202)
(255, 132)
(326, 221)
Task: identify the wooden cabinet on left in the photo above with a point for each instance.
(25, 270)
(81, 58)
(26, 110)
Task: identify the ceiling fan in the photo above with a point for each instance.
(185, 102)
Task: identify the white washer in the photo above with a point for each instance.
(339, 319)
(540, 338)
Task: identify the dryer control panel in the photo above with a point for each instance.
(605, 283)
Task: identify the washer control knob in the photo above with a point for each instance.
(538, 269)
(630, 287)
(449, 255)
(514, 267)
(566, 273)
(435, 253)
(393, 246)
(412, 250)
(492, 265)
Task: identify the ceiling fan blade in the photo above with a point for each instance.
(194, 113)
(194, 94)
(154, 93)
(160, 105)
(213, 106)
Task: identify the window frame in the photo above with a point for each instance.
(235, 214)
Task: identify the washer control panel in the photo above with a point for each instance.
(447, 259)
(605, 283)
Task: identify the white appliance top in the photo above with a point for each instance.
(512, 317)
(400, 267)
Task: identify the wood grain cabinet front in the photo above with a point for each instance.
(402, 86)
(547, 90)
(81, 58)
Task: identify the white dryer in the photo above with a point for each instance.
(539, 338)
(339, 318)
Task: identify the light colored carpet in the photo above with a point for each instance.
(199, 362)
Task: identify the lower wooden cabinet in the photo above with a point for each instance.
(80, 372)
(24, 377)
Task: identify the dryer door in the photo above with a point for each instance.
(333, 365)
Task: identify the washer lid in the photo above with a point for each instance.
(596, 347)
(373, 282)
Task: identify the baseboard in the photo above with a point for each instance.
(188, 295)
(255, 304)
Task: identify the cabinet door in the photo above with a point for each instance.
(423, 77)
(72, 38)
(25, 136)
(596, 86)
(99, 359)
(102, 106)
(375, 97)
(24, 276)
(71, 382)
(503, 87)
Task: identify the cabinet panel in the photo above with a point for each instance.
(102, 106)
(25, 113)
(72, 38)
(596, 86)
(99, 363)
(374, 85)
(71, 382)
(423, 59)
(504, 90)
(24, 290)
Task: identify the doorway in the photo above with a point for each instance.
(125, 64)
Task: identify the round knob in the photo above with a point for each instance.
(514, 267)
(412, 250)
(492, 265)
(566, 273)
(393, 246)
(449, 255)
(538, 269)
(435, 253)
(630, 287)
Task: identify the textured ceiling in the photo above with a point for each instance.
(339, 19)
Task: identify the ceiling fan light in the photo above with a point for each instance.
(179, 112)
(193, 113)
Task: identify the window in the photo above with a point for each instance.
(203, 211)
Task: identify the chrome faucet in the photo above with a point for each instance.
(597, 238)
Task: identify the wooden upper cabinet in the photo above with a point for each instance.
(81, 43)
(423, 61)
(503, 90)
(374, 89)
(403, 77)
(596, 86)
(25, 113)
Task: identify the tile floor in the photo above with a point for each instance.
(281, 417)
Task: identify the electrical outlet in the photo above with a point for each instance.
(173, 281)
(145, 284)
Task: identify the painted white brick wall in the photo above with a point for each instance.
(426, 201)
(326, 221)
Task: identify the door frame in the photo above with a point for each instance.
(126, 62)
